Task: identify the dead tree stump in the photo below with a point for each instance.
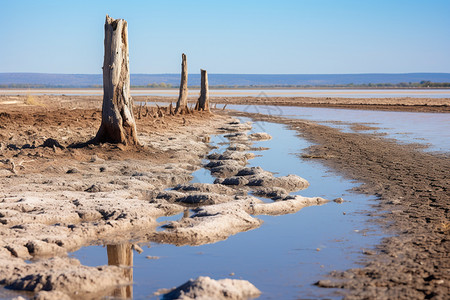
(182, 98)
(203, 100)
(118, 124)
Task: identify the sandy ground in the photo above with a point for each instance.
(56, 197)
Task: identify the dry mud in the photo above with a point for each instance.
(414, 201)
(58, 195)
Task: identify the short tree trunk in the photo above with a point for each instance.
(118, 124)
(182, 98)
(203, 101)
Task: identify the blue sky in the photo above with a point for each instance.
(267, 37)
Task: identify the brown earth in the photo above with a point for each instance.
(414, 200)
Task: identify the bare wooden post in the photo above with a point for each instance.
(118, 124)
(182, 98)
(203, 101)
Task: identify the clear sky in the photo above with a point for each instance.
(270, 37)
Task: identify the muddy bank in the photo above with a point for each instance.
(55, 198)
(413, 187)
(386, 104)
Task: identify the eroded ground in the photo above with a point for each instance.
(57, 195)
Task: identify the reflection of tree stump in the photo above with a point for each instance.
(118, 125)
(182, 98)
(203, 101)
(122, 255)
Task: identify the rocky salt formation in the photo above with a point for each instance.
(225, 208)
(65, 277)
(207, 288)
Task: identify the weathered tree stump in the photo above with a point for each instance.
(182, 98)
(118, 124)
(203, 100)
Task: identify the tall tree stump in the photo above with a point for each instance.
(203, 100)
(118, 124)
(182, 97)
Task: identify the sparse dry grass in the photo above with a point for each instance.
(445, 227)
(30, 100)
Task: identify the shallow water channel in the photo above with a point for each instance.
(430, 129)
(282, 258)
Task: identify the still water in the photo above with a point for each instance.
(430, 129)
(287, 254)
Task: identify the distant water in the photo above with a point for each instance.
(225, 79)
(430, 129)
(342, 93)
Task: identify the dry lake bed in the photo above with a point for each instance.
(253, 200)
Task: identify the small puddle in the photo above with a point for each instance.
(167, 219)
(287, 254)
(7, 294)
(202, 175)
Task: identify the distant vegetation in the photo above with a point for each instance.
(30, 86)
(401, 85)
(162, 85)
(256, 81)
(422, 84)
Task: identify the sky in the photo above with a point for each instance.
(238, 37)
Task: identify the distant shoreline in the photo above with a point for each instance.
(232, 81)
(255, 95)
(232, 88)
(422, 104)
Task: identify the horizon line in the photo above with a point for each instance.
(368, 73)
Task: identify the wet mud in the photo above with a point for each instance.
(414, 200)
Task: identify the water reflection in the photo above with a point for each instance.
(280, 257)
(122, 255)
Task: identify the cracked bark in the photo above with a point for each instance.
(182, 98)
(118, 124)
(203, 100)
